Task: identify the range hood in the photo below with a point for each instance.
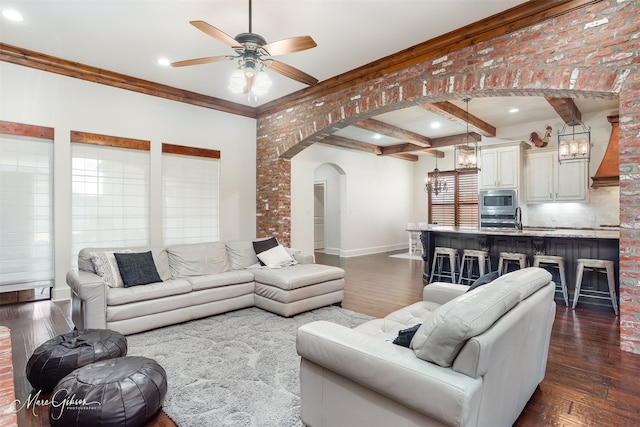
(608, 174)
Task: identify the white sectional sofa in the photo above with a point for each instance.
(475, 360)
(193, 281)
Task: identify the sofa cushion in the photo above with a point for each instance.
(198, 259)
(276, 257)
(241, 254)
(526, 280)
(297, 276)
(118, 296)
(232, 277)
(445, 331)
(137, 268)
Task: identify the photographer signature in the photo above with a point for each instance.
(56, 406)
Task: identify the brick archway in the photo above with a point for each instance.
(591, 52)
(283, 135)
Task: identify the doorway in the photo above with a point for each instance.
(319, 195)
(329, 183)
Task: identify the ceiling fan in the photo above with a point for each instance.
(253, 54)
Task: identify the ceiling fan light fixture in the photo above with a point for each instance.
(238, 82)
(261, 84)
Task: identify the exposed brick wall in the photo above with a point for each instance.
(591, 52)
(7, 392)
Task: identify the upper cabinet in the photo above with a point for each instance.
(549, 181)
(501, 166)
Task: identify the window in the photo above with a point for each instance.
(110, 192)
(26, 207)
(459, 205)
(190, 188)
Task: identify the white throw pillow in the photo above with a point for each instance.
(276, 257)
(106, 266)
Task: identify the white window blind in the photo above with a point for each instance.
(26, 212)
(110, 197)
(190, 203)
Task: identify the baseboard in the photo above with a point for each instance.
(58, 294)
(373, 250)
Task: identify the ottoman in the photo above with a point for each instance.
(125, 391)
(291, 290)
(59, 356)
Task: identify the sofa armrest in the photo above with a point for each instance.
(89, 312)
(442, 292)
(304, 259)
(392, 371)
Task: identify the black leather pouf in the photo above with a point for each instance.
(125, 391)
(59, 356)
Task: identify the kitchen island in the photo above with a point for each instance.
(570, 243)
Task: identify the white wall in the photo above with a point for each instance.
(44, 99)
(377, 199)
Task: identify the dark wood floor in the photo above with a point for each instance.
(589, 380)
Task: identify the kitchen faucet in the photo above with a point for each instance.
(518, 218)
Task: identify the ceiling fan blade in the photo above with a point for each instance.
(291, 72)
(199, 61)
(293, 44)
(215, 33)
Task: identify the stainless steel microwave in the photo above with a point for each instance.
(498, 202)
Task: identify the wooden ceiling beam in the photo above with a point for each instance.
(566, 109)
(352, 144)
(452, 112)
(400, 148)
(434, 153)
(52, 64)
(447, 141)
(406, 156)
(383, 128)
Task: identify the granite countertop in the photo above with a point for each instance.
(584, 233)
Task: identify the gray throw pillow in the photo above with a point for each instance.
(483, 280)
(137, 269)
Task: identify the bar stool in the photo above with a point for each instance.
(414, 239)
(507, 258)
(545, 261)
(469, 257)
(600, 266)
(439, 255)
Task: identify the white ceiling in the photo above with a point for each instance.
(129, 37)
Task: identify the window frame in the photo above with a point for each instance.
(458, 192)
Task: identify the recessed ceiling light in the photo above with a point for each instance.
(377, 136)
(435, 125)
(513, 110)
(12, 15)
(164, 61)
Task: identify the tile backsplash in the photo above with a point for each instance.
(603, 209)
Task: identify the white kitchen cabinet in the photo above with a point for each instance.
(500, 167)
(549, 181)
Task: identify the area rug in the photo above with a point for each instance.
(235, 369)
